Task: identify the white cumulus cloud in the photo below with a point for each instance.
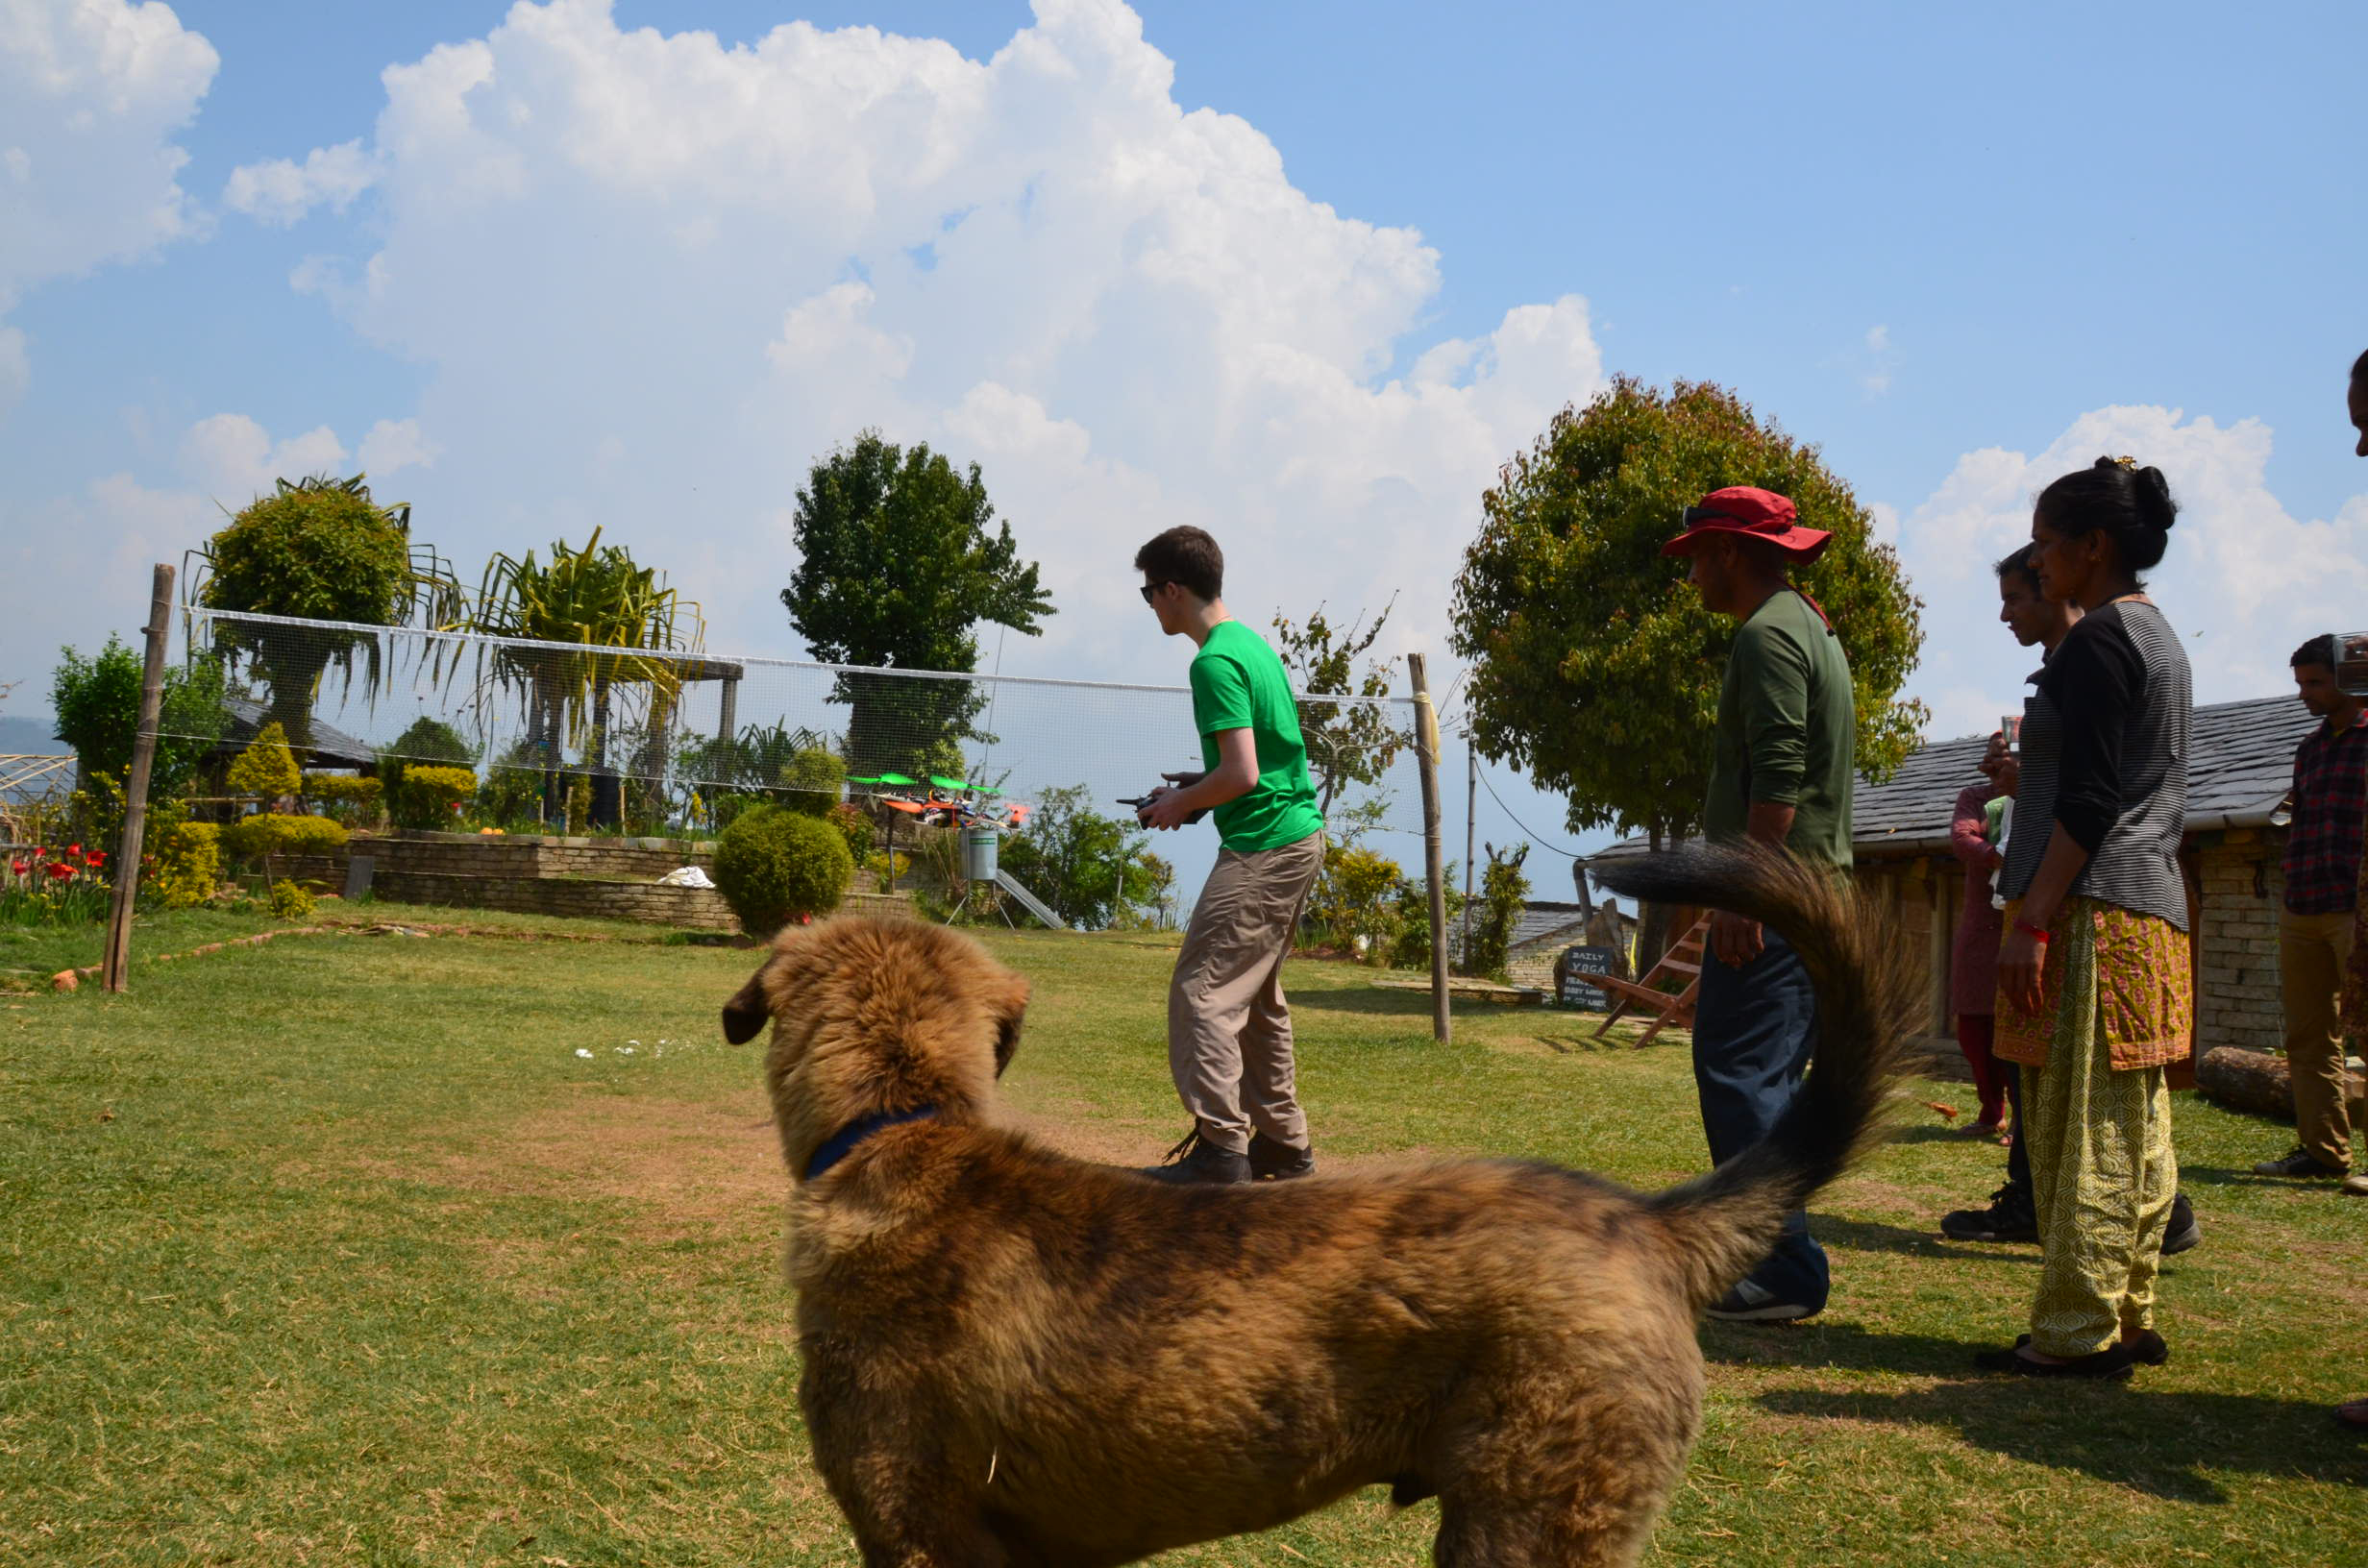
(654, 278)
(279, 190)
(393, 445)
(91, 94)
(234, 459)
(2244, 579)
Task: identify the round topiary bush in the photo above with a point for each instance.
(775, 865)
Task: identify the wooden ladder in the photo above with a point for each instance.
(1684, 957)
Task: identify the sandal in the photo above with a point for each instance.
(2111, 1365)
(2148, 1348)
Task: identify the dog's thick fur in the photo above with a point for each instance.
(1016, 1358)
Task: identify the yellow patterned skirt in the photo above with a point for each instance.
(2117, 1006)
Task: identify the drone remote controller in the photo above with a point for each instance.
(1142, 800)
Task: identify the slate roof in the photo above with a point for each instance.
(2240, 763)
(1543, 920)
(329, 747)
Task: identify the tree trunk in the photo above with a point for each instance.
(2248, 1080)
(1653, 920)
(607, 794)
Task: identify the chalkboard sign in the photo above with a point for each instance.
(1570, 972)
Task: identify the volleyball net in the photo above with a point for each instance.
(666, 742)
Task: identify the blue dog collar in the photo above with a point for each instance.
(841, 1143)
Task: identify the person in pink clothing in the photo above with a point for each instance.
(1973, 965)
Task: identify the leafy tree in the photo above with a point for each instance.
(266, 767)
(1347, 743)
(1412, 948)
(896, 566)
(1503, 890)
(321, 550)
(1594, 668)
(97, 704)
(1095, 871)
(1356, 895)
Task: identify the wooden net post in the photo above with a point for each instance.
(118, 961)
(1434, 866)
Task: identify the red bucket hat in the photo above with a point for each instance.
(1753, 514)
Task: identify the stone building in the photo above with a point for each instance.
(2239, 769)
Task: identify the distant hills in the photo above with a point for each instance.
(28, 735)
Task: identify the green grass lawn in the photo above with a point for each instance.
(463, 1250)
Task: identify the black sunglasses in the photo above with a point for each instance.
(1703, 514)
(1148, 589)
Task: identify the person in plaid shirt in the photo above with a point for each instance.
(2330, 803)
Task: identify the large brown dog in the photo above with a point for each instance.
(1015, 1357)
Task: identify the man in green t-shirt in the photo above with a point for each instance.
(1228, 1027)
(1781, 772)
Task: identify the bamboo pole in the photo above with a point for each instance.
(1434, 866)
(118, 961)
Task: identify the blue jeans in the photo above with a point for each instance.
(1753, 1029)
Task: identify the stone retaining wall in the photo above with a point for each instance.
(584, 878)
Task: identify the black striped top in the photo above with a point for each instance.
(2104, 758)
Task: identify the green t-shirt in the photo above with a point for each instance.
(1788, 727)
(1238, 683)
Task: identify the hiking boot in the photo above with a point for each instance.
(2183, 1232)
(1197, 1160)
(1751, 1302)
(1271, 1160)
(2010, 1217)
(2302, 1163)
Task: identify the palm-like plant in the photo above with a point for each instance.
(621, 613)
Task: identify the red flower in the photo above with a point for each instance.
(22, 868)
(61, 872)
(73, 848)
(95, 859)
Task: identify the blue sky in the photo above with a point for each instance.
(1961, 249)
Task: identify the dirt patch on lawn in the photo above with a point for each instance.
(698, 1166)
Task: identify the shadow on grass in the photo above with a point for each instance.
(2162, 1442)
(2166, 1443)
(1870, 1236)
(1954, 1132)
(1401, 1004)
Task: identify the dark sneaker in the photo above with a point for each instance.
(1750, 1302)
(1273, 1160)
(2183, 1232)
(2301, 1164)
(2010, 1217)
(1197, 1160)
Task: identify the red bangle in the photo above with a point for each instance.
(2039, 931)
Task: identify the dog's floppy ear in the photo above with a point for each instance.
(748, 1011)
(1008, 1004)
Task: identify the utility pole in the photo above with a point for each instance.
(1471, 813)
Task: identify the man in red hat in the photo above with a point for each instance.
(1781, 772)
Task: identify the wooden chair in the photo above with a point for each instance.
(1684, 957)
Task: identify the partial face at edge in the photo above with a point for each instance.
(2315, 684)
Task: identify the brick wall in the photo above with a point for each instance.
(2243, 888)
(2240, 890)
(697, 909)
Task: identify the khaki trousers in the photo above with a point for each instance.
(2311, 950)
(1228, 1027)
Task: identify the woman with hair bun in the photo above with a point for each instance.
(2094, 991)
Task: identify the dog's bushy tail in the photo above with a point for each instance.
(1722, 1224)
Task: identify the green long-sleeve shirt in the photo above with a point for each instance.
(1787, 728)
